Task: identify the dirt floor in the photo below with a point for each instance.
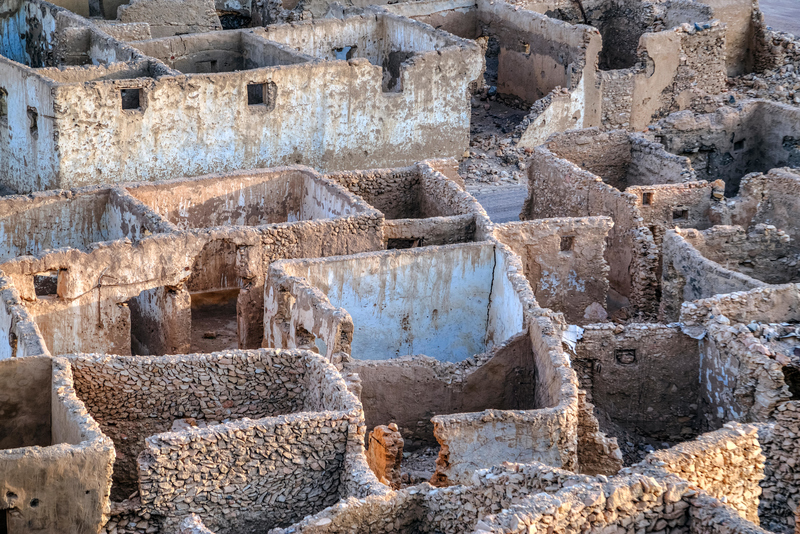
(214, 322)
(418, 466)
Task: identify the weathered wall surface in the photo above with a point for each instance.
(62, 486)
(170, 17)
(559, 188)
(548, 434)
(733, 142)
(267, 135)
(443, 300)
(720, 260)
(539, 53)
(19, 335)
(32, 224)
(25, 404)
(740, 380)
(409, 391)
(727, 464)
(135, 397)
(563, 261)
(248, 198)
(93, 285)
(772, 198)
(781, 485)
(642, 377)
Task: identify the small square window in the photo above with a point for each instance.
(625, 356)
(255, 94)
(131, 99)
(680, 214)
(739, 145)
(647, 199)
(46, 284)
(567, 242)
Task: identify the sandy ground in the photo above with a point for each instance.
(783, 15)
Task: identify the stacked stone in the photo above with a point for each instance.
(727, 464)
(780, 500)
(265, 472)
(389, 190)
(630, 504)
(216, 387)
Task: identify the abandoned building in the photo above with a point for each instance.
(245, 285)
(163, 88)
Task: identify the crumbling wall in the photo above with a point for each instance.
(672, 69)
(740, 379)
(642, 377)
(727, 464)
(558, 188)
(471, 441)
(276, 469)
(19, 335)
(720, 260)
(30, 225)
(781, 484)
(563, 261)
(267, 133)
(444, 300)
(409, 391)
(422, 206)
(62, 485)
(755, 136)
(170, 17)
(92, 287)
(772, 198)
(538, 54)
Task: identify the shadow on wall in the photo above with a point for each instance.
(410, 390)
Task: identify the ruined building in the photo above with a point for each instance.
(245, 285)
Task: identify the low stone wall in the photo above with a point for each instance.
(780, 442)
(727, 464)
(260, 473)
(520, 498)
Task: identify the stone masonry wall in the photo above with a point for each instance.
(780, 442)
(260, 473)
(727, 464)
